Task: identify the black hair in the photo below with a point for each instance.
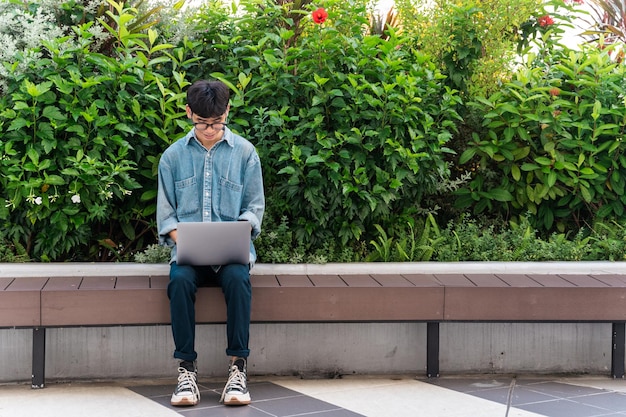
(208, 99)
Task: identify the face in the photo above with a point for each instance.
(208, 129)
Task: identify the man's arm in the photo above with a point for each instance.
(253, 202)
(167, 220)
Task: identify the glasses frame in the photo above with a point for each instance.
(206, 125)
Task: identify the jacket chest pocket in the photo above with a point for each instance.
(229, 199)
(187, 199)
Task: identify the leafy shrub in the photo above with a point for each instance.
(81, 132)
(608, 241)
(12, 252)
(467, 240)
(552, 144)
(474, 41)
(154, 254)
(352, 129)
(418, 242)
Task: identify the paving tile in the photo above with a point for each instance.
(268, 400)
(223, 411)
(293, 406)
(561, 390)
(519, 396)
(563, 408)
(607, 400)
(542, 396)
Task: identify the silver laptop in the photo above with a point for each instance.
(213, 243)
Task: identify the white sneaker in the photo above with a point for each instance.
(236, 388)
(186, 392)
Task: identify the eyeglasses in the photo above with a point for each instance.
(214, 126)
(202, 126)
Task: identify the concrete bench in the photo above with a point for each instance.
(40, 297)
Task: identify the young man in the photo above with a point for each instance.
(210, 175)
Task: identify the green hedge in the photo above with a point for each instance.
(363, 148)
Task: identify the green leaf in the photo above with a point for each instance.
(467, 155)
(586, 195)
(33, 155)
(542, 160)
(314, 159)
(54, 180)
(53, 113)
(499, 194)
(515, 172)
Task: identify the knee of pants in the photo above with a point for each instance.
(182, 279)
(236, 277)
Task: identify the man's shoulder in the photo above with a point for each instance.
(177, 145)
(240, 141)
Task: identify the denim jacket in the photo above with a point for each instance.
(224, 183)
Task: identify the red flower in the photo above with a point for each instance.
(545, 21)
(554, 91)
(320, 15)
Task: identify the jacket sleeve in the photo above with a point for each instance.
(253, 202)
(167, 219)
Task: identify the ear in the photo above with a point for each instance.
(188, 110)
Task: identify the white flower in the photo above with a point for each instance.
(76, 198)
(38, 201)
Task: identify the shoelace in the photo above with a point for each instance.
(187, 382)
(236, 381)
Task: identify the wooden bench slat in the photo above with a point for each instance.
(487, 280)
(327, 281)
(584, 281)
(104, 307)
(518, 280)
(345, 304)
(20, 302)
(360, 280)
(294, 281)
(132, 282)
(423, 280)
(62, 283)
(264, 281)
(27, 284)
(546, 280)
(454, 280)
(392, 280)
(612, 280)
(159, 281)
(534, 304)
(5, 282)
(98, 283)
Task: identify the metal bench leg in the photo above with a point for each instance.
(617, 355)
(39, 357)
(432, 349)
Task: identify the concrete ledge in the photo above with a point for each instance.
(16, 270)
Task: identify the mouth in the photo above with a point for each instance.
(206, 134)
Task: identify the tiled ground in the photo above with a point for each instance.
(350, 396)
(269, 400)
(542, 396)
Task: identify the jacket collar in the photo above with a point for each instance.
(228, 137)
